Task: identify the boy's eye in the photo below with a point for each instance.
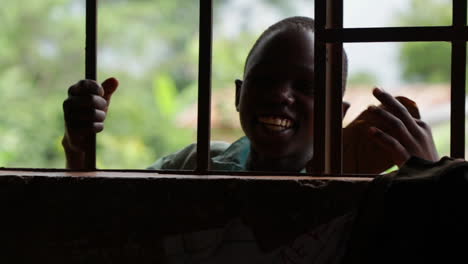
(263, 81)
(307, 87)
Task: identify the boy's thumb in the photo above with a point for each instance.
(109, 86)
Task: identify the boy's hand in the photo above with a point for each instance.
(84, 111)
(387, 135)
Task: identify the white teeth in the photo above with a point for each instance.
(280, 123)
(275, 128)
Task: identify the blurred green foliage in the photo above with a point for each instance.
(151, 46)
(426, 61)
(31, 73)
(361, 78)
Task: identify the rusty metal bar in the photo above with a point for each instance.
(91, 72)
(317, 164)
(204, 86)
(458, 76)
(394, 34)
(334, 92)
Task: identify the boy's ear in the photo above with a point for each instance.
(238, 84)
(345, 108)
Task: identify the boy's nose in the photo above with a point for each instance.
(283, 94)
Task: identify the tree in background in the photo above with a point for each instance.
(362, 77)
(425, 61)
(428, 62)
(150, 45)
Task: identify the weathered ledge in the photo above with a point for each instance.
(120, 217)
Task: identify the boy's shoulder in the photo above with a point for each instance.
(224, 156)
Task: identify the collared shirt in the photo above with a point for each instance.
(224, 156)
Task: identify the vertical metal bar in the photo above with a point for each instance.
(334, 92)
(204, 86)
(317, 165)
(458, 77)
(91, 72)
(459, 13)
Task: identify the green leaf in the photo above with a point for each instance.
(164, 92)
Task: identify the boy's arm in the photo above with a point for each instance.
(84, 111)
(387, 135)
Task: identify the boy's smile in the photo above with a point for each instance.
(276, 123)
(276, 99)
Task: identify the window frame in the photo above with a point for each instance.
(331, 34)
(329, 38)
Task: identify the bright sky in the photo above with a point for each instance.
(380, 59)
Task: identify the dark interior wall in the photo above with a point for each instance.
(80, 219)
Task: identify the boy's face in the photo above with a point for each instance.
(276, 99)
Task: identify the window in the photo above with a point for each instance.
(331, 36)
(118, 214)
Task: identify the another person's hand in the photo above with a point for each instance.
(386, 135)
(84, 111)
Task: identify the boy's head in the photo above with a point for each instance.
(276, 98)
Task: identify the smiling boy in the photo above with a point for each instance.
(276, 99)
(275, 102)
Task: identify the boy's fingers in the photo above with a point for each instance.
(98, 127)
(80, 103)
(410, 106)
(397, 152)
(85, 87)
(396, 108)
(76, 138)
(109, 86)
(391, 125)
(86, 116)
(78, 129)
